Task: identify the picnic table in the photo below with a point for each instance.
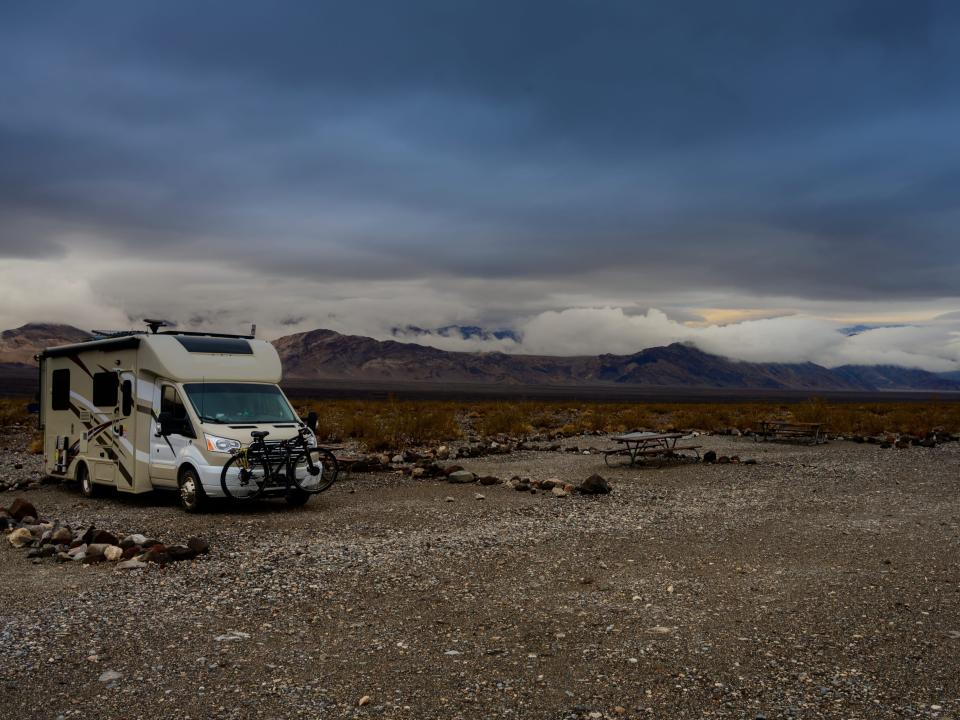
(640, 445)
(781, 429)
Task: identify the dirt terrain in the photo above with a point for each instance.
(819, 583)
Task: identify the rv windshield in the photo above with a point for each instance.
(239, 403)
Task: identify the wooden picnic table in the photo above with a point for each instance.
(784, 430)
(639, 445)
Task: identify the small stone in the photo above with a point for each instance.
(232, 636)
(131, 565)
(710, 457)
(42, 551)
(109, 676)
(61, 536)
(104, 537)
(198, 545)
(396, 459)
(448, 498)
(365, 700)
(559, 492)
(478, 496)
(489, 480)
(113, 553)
(417, 472)
(179, 553)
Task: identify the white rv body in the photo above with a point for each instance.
(100, 403)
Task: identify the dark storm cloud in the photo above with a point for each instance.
(805, 149)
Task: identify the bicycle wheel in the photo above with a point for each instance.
(315, 470)
(241, 483)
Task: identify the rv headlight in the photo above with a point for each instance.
(221, 445)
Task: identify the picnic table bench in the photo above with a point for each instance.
(640, 445)
(782, 430)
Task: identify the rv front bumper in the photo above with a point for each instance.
(210, 479)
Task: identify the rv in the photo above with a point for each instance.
(154, 410)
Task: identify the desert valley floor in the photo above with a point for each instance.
(822, 582)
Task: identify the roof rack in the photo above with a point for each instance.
(205, 334)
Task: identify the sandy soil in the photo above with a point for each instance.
(821, 582)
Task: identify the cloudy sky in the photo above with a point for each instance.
(599, 177)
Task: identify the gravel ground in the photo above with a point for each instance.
(820, 583)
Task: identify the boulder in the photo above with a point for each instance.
(20, 537)
(134, 539)
(105, 537)
(199, 546)
(461, 476)
(594, 485)
(21, 509)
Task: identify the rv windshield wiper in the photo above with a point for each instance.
(204, 418)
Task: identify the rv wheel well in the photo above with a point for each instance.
(80, 464)
(184, 468)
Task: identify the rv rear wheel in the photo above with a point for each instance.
(87, 488)
(192, 497)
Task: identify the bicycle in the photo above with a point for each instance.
(278, 467)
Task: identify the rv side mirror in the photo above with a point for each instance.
(312, 421)
(167, 424)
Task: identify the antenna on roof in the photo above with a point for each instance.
(253, 330)
(155, 325)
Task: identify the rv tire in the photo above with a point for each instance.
(297, 498)
(87, 486)
(192, 497)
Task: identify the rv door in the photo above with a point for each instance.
(170, 433)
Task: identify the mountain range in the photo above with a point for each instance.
(323, 355)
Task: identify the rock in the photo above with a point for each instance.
(61, 536)
(42, 551)
(198, 545)
(522, 486)
(365, 700)
(109, 676)
(131, 565)
(78, 550)
(478, 496)
(723, 460)
(20, 537)
(104, 537)
(443, 452)
(232, 636)
(489, 480)
(131, 552)
(21, 509)
(448, 499)
(134, 539)
(461, 476)
(550, 483)
(594, 485)
(750, 461)
(157, 554)
(383, 459)
(418, 472)
(710, 457)
(112, 553)
(559, 492)
(450, 469)
(735, 459)
(396, 459)
(63, 557)
(179, 553)
(96, 553)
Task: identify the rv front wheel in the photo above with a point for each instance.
(192, 497)
(87, 488)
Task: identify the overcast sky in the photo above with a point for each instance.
(598, 176)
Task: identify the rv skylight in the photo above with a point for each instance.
(216, 345)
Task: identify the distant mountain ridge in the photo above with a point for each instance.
(328, 355)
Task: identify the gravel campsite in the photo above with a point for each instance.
(821, 582)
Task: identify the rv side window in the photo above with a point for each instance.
(170, 402)
(105, 389)
(126, 392)
(60, 390)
